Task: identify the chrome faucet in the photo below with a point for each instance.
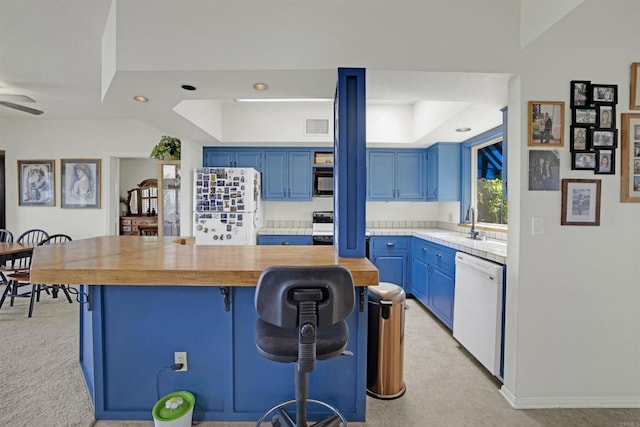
(471, 215)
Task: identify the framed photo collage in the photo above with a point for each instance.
(593, 133)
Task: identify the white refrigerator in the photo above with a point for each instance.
(227, 206)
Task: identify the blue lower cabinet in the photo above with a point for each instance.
(441, 288)
(390, 254)
(433, 278)
(420, 281)
(284, 239)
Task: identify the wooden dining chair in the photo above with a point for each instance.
(147, 230)
(6, 237)
(18, 275)
(55, 288)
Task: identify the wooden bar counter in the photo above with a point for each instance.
(125, 260)
(145, 298)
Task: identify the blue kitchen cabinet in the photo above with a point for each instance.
(232, 157)
(433, 278)
(395, 175)
(443, 172)
(287, 175)
(390, 254)
(284, 239)
(441, 293)
(419, 280)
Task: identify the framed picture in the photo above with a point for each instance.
(605, 162)
(81, 183)
(580, 138)
(606, 116)
(544, 168)
(585, 116)
(634, 98)
(604, 138)
(546, 124)
(630, 160)
(583, 160)
(580, 91)
(36, 182)
(607, 94)
(580, 202)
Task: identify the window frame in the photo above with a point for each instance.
(468, 168)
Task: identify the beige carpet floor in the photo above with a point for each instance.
(42, 384)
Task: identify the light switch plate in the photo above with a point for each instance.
(537, 226)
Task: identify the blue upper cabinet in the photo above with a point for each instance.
(233, 158)
(287, 175)
(395, 175)
(443, 172)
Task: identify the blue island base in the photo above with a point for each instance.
(129, 334)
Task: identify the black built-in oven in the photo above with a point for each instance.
(323, 182)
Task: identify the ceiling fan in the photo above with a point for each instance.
(10, 102)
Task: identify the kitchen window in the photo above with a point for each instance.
(483, 177)
(487, 188)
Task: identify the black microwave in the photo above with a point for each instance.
(322, 181)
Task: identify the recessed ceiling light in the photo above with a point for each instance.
(463, 129)
(261, 86)
(188, 87)
(141, 98)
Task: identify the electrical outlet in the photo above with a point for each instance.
(180, 357)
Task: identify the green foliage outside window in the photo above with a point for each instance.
(492, 207)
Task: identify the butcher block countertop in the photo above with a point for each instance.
(150, 260)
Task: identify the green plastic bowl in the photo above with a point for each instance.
(161, 413)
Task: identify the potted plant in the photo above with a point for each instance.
(167, 149)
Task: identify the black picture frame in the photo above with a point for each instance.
(606, 116)
(580, 93)
(585, 116)
(604, 94)
(604, 138)
(583, 160)
(580, 138)
(36, 182)
(580, 202)
(608, 168)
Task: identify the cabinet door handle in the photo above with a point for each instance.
(390, 244)
(423, 249)
(439, 255)
(285, 243)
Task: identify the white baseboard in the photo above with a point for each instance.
(569, 402)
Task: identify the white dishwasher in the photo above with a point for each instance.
(477, 309)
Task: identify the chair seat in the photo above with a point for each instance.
(281, 344)
(20, 276)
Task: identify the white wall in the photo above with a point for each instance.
(59, 139)
(572, 336)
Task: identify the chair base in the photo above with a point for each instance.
(282, 419)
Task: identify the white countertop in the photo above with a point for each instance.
(491, 249)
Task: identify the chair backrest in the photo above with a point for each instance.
(55, 238)
(147, 230)
(35, 235)
(275, 303)
(5, 235)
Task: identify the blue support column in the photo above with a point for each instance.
(350, 163)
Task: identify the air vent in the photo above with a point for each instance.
(315, 127)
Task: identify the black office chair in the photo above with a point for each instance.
(301, 314)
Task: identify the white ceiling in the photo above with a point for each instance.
(52, 51)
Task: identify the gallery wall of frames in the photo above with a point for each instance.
(593, 143)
